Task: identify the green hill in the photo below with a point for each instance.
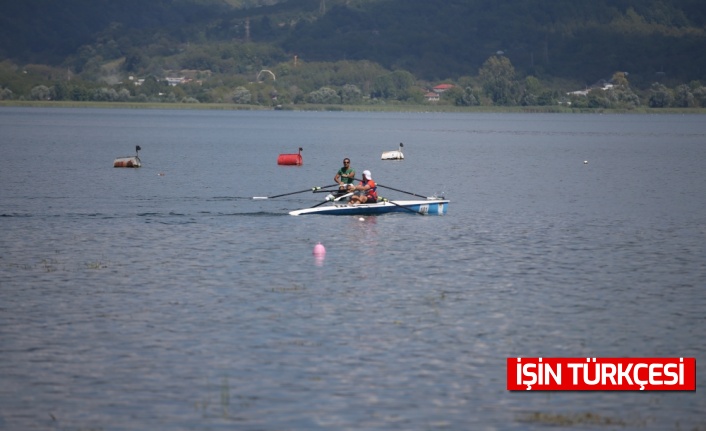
(47, 32)
(581, 41)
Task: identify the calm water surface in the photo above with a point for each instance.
(164, 298)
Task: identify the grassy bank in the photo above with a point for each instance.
(348, 108)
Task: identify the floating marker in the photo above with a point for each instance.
(319, 250)
(129, 161)
(291, 159)
(393, 155)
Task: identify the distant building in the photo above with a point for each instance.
(176, 81)
(170, 80)
(442, 87)
(432, 96)
(604, 87)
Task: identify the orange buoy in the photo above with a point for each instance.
(129, 161)
(291, 159)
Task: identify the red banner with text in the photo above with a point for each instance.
(601, 374)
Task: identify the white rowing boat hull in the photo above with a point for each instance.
(425, 207)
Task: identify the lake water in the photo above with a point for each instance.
(164, 298)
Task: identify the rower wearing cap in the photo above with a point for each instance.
(368, 188)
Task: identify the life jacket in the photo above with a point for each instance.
(372, 192)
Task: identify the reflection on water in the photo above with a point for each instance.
(132, 300)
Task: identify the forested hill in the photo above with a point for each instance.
(582, 40)
(47, 31)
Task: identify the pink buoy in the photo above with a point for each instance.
(291, 159)
(319, 250)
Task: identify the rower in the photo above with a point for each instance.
(368, 188)
(344, 177)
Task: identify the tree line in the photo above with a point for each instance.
(497, 83)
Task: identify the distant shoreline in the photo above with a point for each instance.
(350, 108)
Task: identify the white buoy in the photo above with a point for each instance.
(585, 162)
(393, 155)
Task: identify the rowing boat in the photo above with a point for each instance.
(423, 207)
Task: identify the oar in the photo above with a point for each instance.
(294, 193)
(397, 190)
(403, 207)
(335, 200)
(402, 191)
(344, 196)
